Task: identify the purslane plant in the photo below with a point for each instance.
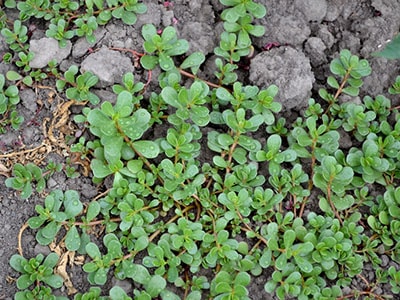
(36, 271)
(80, 85)
(23, 178)
(171, 213)
(75, 18)
(9, 98)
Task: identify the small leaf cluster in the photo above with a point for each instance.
(77, 18)
(238, 19)
(235, 41)
(17, 37)
(30, 177)
(80, 85)
(384, 219)
(66, 19)
(59, 209)
(116, 292)
(163, 46)
(24, 177)
(9, 98)
(37, 271)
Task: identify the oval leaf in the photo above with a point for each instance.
(148, 149)
(72, 239)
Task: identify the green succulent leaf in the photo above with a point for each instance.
(303, 264)
(137, 272)
(100, 276)
(193, 61)
(117, 293)
(13, 76)
(73, 206)
(288, 238)
(166, 62)
(149, 62)
(93, 251)
(55, 281)
(16, 263)
(92, 211)
(392, 49)
(148, 149)
(24, 281)
(100, 170)
(155, 285)
(72, 239)
(342, 203)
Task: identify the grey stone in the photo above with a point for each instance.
(47, 49)
(104, 94)
(334, 9)
(290, 70)
(199, 11)
(387, 7)
(4, 68)
(382, 76)
(39, 249)
(351, 10)
(201, 37)
(3, 45)
(115, 35)
(28, 99)
(385, 260)
(167, 18)
(375, 32)
(315, 48)
(152, 16)
(218, 6)
(325, 35)
(126, 285)
(128, 44)
(345, 139)
(82, 46)
(8, 139)
(195, 5)
(65, 64)
(313, 10)
(293, 30)
(108, 65)
(88, 191)
(350, 41)
(51, 183)
(346, 290)
(30, 134)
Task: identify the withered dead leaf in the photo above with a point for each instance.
(61, 269)
(4, 170)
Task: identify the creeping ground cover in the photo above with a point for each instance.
(202, 186)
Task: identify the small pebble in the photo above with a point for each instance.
(42, 249)
(385, 260)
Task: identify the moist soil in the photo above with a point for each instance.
(302, 37)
